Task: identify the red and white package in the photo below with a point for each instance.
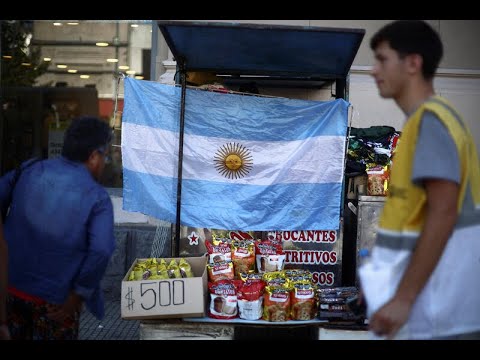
(218, 252)
(220, 271)
(250, 299)
(243, 257)
(269, 256)
(223, 299)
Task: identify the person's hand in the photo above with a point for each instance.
(69, 309)
(390, 318)
(4, 332)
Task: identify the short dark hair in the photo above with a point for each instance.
(412, 37)
(84, 135)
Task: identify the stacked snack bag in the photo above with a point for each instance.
(378, 178)
(158, 269)
(250, 296)
(247, 280)
(222, 287)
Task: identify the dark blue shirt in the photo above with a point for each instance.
(59, 232)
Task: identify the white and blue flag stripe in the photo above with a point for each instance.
(291, 152)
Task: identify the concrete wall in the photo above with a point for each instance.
(458, 78)
(460, 38)
(370, 109)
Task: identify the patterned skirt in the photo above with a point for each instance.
(28, 320)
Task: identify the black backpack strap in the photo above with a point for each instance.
(13, 182)
(19, 169)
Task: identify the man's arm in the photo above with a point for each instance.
(4, 333)
(440, 220)
(101, 246)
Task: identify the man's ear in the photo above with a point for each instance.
(414, 63)
(93, 161)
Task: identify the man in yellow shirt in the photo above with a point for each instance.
(427, 247)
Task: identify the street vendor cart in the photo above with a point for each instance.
(248, 57)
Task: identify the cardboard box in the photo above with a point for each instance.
(168, 298)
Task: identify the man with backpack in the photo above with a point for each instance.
(59, 232)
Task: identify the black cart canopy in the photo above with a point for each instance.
(277, 55)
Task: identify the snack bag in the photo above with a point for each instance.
(269, 256)
(185, 268)
(243, 256)
(303, 301)
(250, 299)
(378, 177)
(276, 304)
(223, 299)
(173, 270)
(220, 271)
(218, 251)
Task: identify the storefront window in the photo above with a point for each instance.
(53, 71)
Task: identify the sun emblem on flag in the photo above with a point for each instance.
(233, 161)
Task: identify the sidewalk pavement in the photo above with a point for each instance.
(111, 327)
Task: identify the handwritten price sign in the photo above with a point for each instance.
(149, 299)
(157, 293)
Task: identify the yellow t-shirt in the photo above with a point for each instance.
(404, 210)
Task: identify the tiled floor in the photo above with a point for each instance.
(111, 327)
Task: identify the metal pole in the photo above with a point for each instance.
(154, 52)
(119, 76)
(176, 243)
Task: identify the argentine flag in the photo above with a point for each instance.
(249, 163)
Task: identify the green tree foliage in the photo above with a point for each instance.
(21, 62)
